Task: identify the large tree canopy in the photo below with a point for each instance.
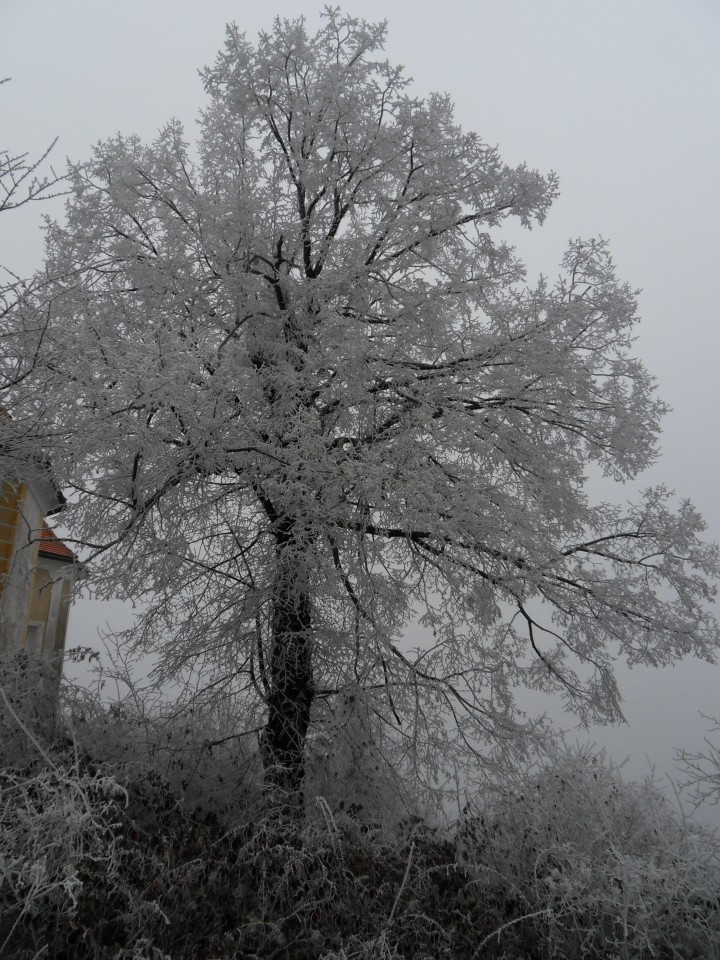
(300, 394)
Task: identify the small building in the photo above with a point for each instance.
(36, 571)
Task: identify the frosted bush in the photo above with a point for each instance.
(604, 867)
(205, 764)
(28, 704)
(51, 824)
(700, 771)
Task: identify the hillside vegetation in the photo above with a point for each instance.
(128, 836)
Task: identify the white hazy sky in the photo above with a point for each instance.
(620, 97)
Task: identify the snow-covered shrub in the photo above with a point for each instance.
(700, 770)
(52, 824)
(356, 767)
(194, 750)
(28, 704)
(566, 862)
(583, 864)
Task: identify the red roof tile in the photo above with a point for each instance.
(52, 546)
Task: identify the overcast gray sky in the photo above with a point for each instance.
(620, 97)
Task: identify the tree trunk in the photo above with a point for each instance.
(291, 681)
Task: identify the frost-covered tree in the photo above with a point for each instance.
(300, 395)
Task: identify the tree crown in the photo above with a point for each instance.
(302, 395)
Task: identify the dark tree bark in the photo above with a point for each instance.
(291, 680)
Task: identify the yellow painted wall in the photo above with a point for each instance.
(40, 599)
(10, 498)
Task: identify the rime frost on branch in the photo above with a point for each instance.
(300, 393)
